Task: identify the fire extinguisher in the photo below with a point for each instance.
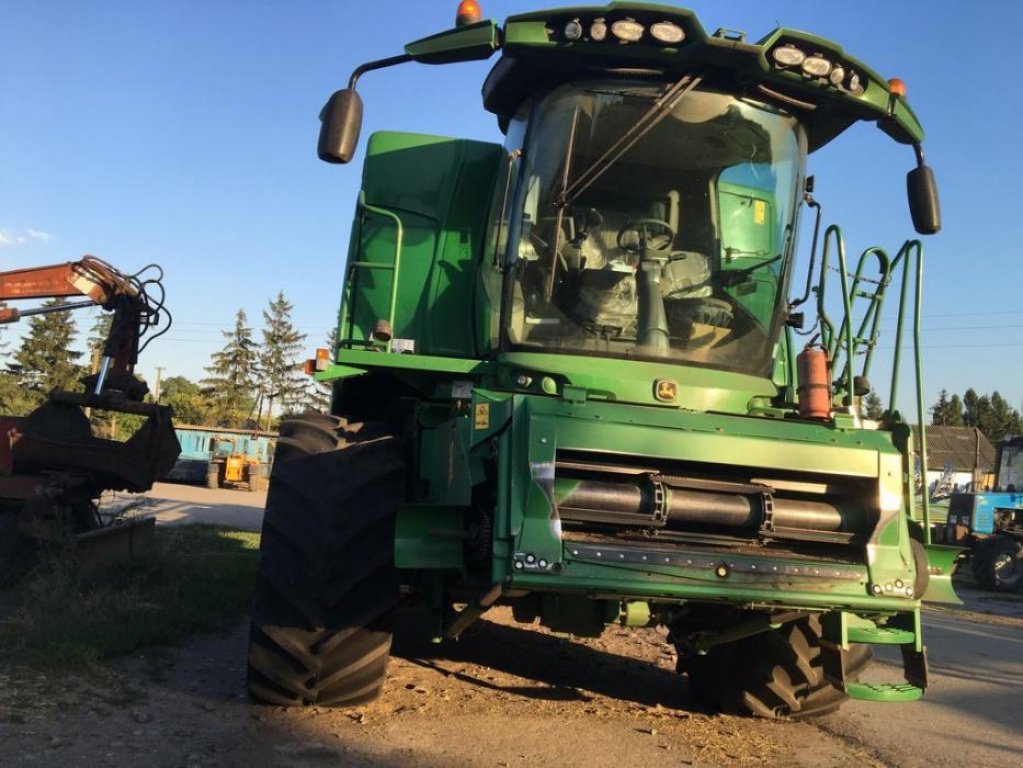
(813, 371)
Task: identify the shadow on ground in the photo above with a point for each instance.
(566, 668)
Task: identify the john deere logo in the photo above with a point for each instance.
(665, 390)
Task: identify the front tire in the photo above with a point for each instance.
(326, 586)
(997, 564)
(774, 674)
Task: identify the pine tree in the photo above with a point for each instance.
(280, 375)
(955, 409)
(873, 408)
(948, 411)
(97, 339)
(10, 392)
(231, 383)
(939, 411)
(45, 360)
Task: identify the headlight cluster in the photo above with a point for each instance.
(623, 31)
(817, 66)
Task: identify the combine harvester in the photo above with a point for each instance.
(53, 470)
(568, 377)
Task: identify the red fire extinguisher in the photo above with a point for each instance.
(814, 383)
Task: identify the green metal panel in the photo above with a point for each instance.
(436, 192)
(633, 381)
(534, 557)
(429, 536)
(468, 43)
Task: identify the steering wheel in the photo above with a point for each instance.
(656, 234)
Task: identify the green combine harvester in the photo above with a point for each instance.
(576, 374)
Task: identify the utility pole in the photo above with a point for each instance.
(156, 395)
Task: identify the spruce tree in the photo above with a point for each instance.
(45, 359)
(873, 408)
(955, 412)
(280, 374)
(948, 411)
(231, 383)
(98, 336)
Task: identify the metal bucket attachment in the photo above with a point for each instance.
(57, 436)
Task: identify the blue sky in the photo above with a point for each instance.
(184, 133)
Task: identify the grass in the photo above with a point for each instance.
(198, 579)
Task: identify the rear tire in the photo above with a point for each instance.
(997, 564)
(213, 477)
(326, 586)
(774, 674)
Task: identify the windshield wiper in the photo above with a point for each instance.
(660, 110)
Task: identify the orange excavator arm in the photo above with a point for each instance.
(89, 276)
(100, 284)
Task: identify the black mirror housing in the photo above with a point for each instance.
(340, 124)
(923, 200)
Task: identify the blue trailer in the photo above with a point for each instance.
(223, 457)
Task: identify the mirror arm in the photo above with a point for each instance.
(378, 64)
(918, 148)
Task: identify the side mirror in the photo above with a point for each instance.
(923, 200)
(340, 123)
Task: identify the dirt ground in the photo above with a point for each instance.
(503, 696)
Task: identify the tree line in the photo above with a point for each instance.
(991, 414)
(248, 383)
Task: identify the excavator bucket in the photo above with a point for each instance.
(52, 470)
(57, 436)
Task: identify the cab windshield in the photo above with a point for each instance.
(676, 248)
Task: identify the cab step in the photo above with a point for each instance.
(841, 629)
(874, 635)
(883, 691)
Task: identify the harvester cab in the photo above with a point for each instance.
(567, 376)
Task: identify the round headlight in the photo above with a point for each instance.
(598, 30)
(837, 75)
(666, 32)
(815, 66)
(788, 56)
(627, 30)
(573, 30)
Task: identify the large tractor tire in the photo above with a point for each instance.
(774, 674)
(997, 564)
(326, 586)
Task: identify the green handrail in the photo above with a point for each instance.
(394, 267)
(910, 249)
(833, 342)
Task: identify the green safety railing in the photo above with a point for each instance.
(347, 319)
(844, 346)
